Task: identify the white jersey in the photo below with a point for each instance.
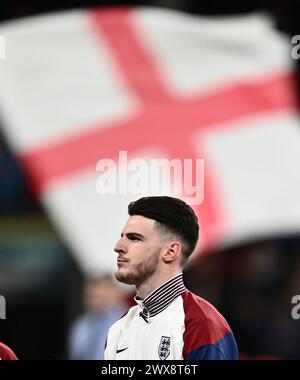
(171, 323)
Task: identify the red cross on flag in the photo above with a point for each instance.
(145, 84)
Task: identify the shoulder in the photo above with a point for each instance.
(199, 310)
(6, 353)
(116, 329)
(204, 327)
(125, 318)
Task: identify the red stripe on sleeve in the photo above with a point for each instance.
(203, 323)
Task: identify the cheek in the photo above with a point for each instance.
(139, 254)
(135, 253)
(151, 252)
(142, 252)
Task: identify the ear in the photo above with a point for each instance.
(172, 252)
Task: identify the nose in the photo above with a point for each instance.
(120, 247)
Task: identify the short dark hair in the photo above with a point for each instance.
(174, 215)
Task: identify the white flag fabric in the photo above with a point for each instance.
(81, 86)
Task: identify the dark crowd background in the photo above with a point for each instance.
(252, 285)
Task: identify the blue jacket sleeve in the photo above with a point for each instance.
(224, 349)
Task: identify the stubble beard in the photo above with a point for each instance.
(138, 273)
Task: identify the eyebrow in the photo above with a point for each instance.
(131, 234)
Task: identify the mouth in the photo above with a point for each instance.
(121, 261)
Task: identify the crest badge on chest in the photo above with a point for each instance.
(164, 347)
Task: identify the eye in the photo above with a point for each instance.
(134, 238)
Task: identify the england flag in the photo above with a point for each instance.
(79, 87)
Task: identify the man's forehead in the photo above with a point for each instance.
(138, 223)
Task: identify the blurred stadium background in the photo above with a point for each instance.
(251, 280)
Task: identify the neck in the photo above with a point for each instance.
(147, 287)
